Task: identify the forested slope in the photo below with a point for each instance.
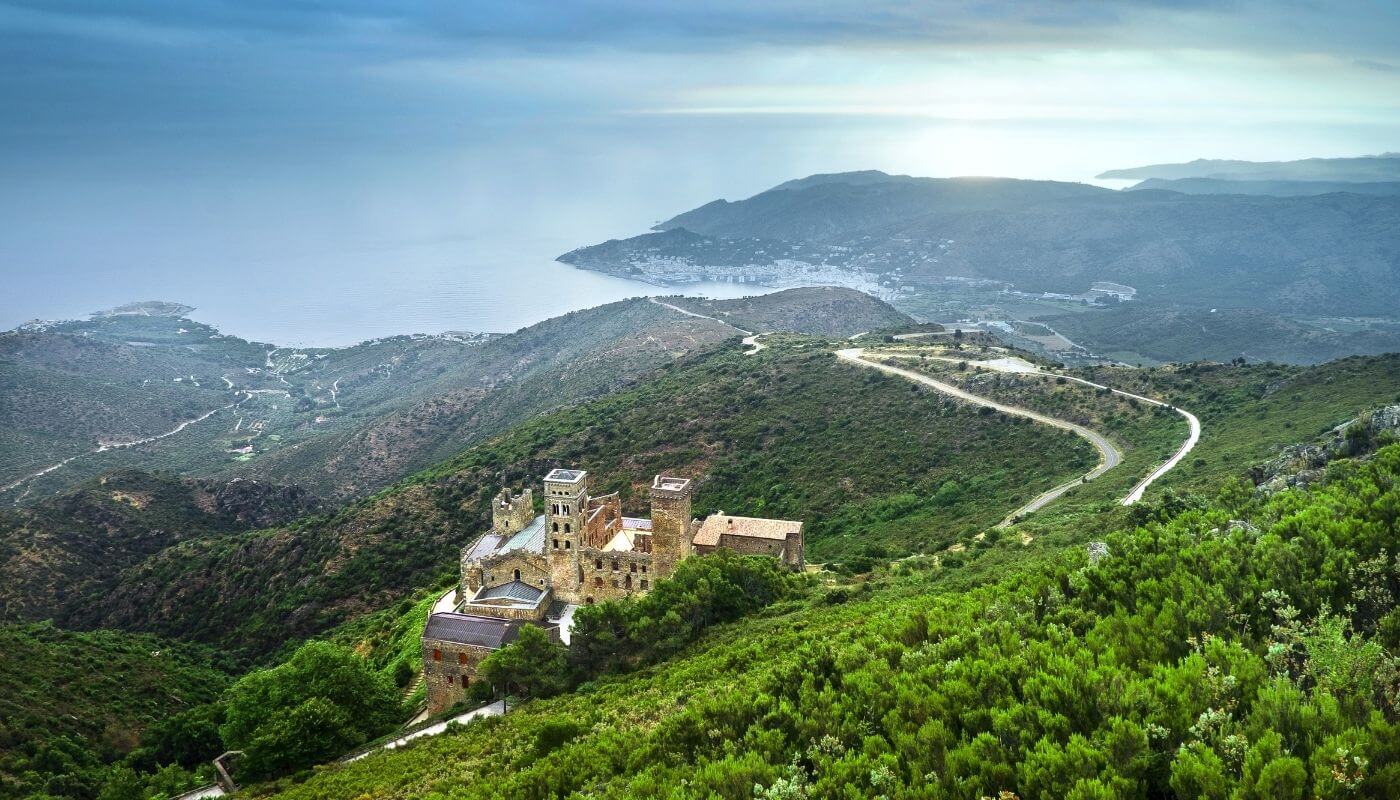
(1241, 648)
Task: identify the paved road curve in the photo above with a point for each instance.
(1109, 455)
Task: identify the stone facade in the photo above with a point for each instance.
(671, 525)
(581, 550)
(448, 669)
(510, 514)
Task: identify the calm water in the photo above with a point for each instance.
(426, 288)
(374, 291)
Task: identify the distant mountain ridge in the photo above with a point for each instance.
(1266, 187)
(1326, 254)
(342, 422)
(1382, 167)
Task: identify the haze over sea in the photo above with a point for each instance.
(321, 174)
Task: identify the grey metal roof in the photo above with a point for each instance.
(530, 538)
(515, 590)
(485, 545)
(471, 629)
(564, 475)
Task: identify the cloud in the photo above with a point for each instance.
(427, 24)
(1377, 66)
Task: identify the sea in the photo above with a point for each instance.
(475, 284)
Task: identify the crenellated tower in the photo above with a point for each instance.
(671, 529)
(511, 513)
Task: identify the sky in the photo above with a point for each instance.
(247, 147)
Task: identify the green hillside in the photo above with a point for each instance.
(876, 467)
(63, 554)
(1236, 649)
(341, 421)
(71, 703)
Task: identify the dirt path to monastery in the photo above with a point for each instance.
(750, 338)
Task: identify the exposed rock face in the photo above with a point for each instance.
(1302, 464)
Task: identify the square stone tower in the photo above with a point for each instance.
(565, 507)
(670, 523)
(510, 514)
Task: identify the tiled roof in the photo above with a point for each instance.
(716, 525)
(636, 523)
(471, 629)
(515, 590)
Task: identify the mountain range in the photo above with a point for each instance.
(929, 243)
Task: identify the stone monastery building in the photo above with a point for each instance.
(533, 570)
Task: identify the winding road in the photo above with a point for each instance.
(117, 446)
(1017, 365)
(1109, 454)
(750, 338)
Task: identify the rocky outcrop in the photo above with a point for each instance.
(1302, 464)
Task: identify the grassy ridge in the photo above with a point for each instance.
(1248, 412)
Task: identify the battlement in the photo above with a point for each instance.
(511, 513)
(665, 486)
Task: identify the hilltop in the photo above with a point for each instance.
(764, 432)
(899, 486)
(1201, 654)
(820, 310)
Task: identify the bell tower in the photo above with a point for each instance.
(565, 507)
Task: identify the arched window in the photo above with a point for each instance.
(556, 527)
(517, 574)
(566, 527)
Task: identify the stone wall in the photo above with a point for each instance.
(788, 551)
(563, 571)
(671, 531)
(501, 569)
(602, 582)
(448, 669)
(510, 513)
